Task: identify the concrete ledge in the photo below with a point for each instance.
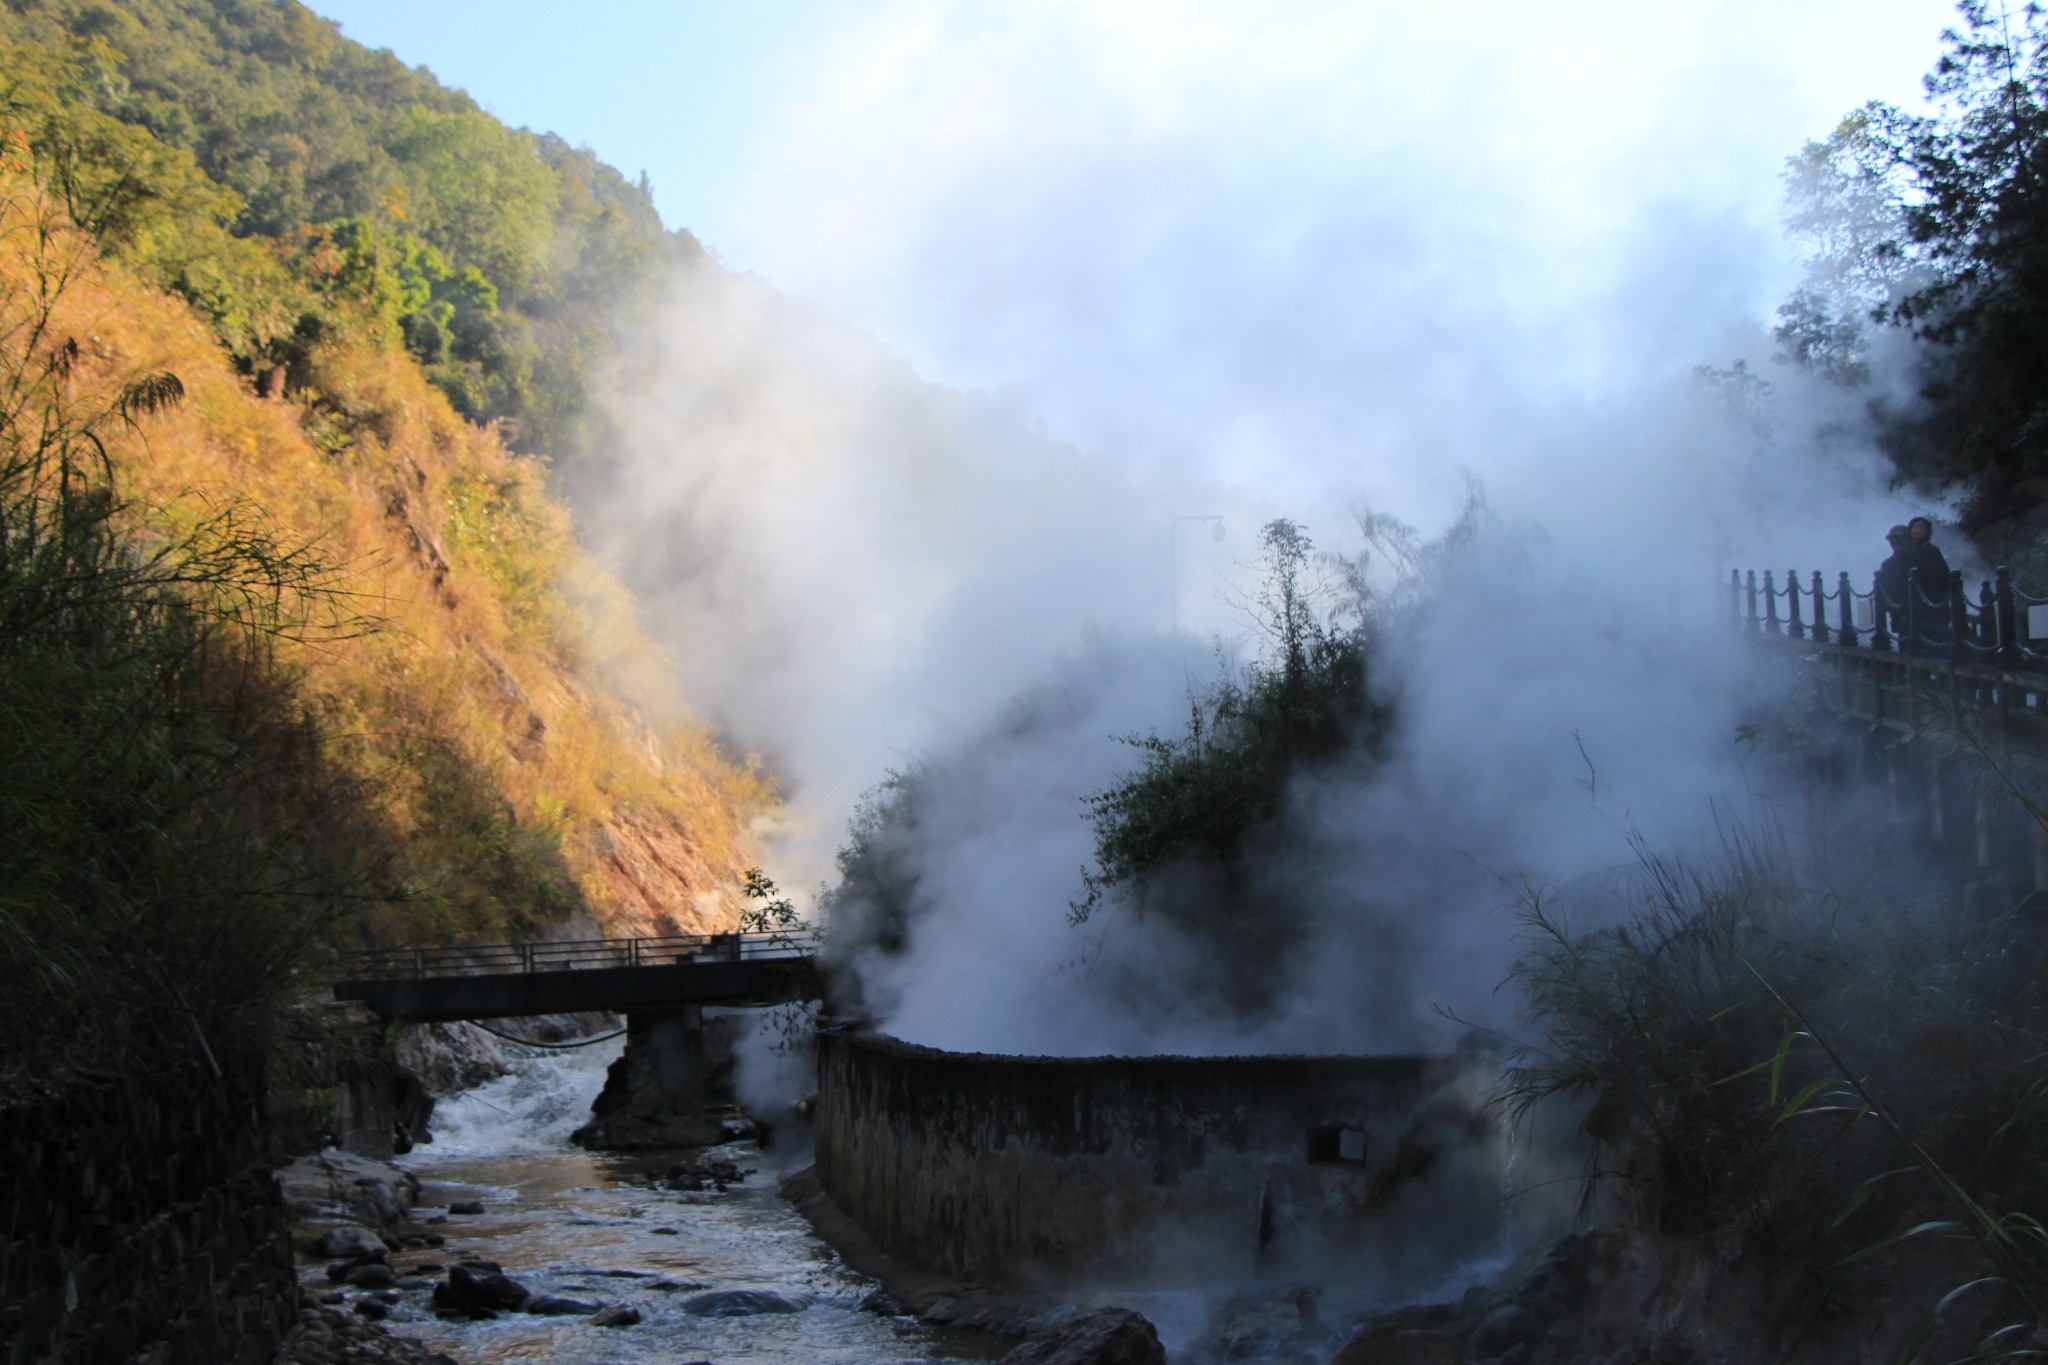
(1157, 1170)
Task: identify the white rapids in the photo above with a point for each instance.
(566, 1222)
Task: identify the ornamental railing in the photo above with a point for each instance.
(568, 955)
(1897, 647)
(2000, 625)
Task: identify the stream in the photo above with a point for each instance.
(567, 1222)
(592, 1227)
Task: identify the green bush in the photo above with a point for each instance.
(1202, 797)
(1760, 1052)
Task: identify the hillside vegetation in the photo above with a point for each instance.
(299, 653)
(286, 180)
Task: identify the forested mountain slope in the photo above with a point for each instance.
(298, 648)
(501, 258)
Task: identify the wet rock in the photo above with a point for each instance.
(337, 1188)
(348, 1241)
(340, 1271)
(467, 1206)
(678, 1286)
(739, 1303)
(373, 1275)
(372, 1309)
(479, 1285)
(413, 1282)
(1396, 1345)
(664, 1232)
(618, 1315)
(1101, 1336)
(883, 1302)
(556, 1306)
(450, 1057)
(1501, 1331)
(702, 1175)
(324, 1337)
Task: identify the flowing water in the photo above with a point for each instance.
(568, 1222)
(587, 1226)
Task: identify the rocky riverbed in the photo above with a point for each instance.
(499, 1241)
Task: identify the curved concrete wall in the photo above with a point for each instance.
(1155, 1169)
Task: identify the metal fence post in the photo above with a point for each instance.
(1910, 644)
(2008, 619)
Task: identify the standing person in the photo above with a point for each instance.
(1928, 559)
(1891, 580)
(1934, 576)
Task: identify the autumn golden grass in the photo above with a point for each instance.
(533, 755)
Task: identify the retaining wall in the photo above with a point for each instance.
(140, 1222)
(1155, 1169)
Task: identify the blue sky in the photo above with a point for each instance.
(680, 90)
(697, 94)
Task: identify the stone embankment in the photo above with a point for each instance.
(139, 1223)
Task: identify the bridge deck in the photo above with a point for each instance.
(622, 975)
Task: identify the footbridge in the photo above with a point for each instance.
(1940, 695)
(1898, 658)
(661, 1092)
(624, 975)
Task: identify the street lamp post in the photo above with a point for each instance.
(1173, 537)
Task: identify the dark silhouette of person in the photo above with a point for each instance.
(1934, 579)
(1891, 580)
(1927, 558)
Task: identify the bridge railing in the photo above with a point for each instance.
(1989, 650)
(2000, 624)
(567, 955)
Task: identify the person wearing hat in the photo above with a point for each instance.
(1934, 580)
(1891, 579)
(1928, 560)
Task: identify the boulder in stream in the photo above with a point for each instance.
(739, 1303)
(474, 1285)
(349, 1242)
(1101, 1336)
(556, 1305)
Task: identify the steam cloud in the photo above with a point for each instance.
(1235, 276)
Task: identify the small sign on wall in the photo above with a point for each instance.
(2037, 622)
(1865, 615)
